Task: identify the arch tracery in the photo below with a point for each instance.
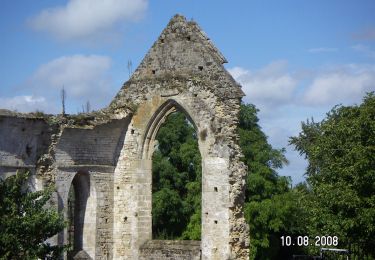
(169, 107)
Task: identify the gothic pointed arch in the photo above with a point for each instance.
(168, 107)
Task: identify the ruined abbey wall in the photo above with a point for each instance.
(107, 154)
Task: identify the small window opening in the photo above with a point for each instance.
(215, 189)
(28, 150)
(153, 71)
(200, 68)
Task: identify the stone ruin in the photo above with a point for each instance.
(106, 156)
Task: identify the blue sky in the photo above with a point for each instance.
(294, 59)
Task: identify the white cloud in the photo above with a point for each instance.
(347, 84)
(80, 75)
(85, 78)
(285, 99)
(24, 103)
(268, 87)
(87, 18)
(365, 50)
(322, 49)
(274, 87)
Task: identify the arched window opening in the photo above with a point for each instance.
(176, 180)
(79, 193)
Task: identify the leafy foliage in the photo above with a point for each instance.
(341, 174)
(176, 199)
(25, 222)
(272, 207)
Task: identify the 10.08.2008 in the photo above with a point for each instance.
(307, 241)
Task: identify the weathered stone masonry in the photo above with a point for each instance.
(113, 148)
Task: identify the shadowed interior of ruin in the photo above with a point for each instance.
(78, 213)
(79, 193)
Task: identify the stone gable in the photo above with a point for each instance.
(106, 155)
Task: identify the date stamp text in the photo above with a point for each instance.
(308, 241)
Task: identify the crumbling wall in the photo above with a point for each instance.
(170, 250)
(183, 70)
(22, 141)
(94, 150)
(99, 209)
(87, 146)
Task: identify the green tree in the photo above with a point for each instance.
(25, 221)
(340, 198)
(176, 169)
(271, 206)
